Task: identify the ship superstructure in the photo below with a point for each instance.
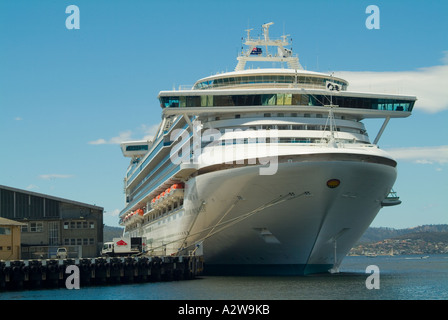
(262, 170)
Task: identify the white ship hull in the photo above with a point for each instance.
(277, 170)
(287, 223)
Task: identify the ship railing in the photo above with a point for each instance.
(392, 195)
(343, 143)
(158, 145)
(277, 85)
(183, 87)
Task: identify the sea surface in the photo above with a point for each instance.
(395, 278)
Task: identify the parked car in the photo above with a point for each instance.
(61, 253)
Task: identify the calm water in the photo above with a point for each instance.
(401, 278)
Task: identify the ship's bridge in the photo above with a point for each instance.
(288, 89)
(134, 149)
(366, 105)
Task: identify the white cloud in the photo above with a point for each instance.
(429, 85)
(123, 136)
(148, 133)
(55, 176)
(99, 141)
(18, 118)
(113, 213)
(421, 155)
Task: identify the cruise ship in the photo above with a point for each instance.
(262, 170)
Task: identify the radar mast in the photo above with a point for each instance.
(255, 52)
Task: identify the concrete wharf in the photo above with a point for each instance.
(53, 273)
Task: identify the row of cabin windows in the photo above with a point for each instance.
(228, 142)
(278, 115)
(295, 127)
(285, 99)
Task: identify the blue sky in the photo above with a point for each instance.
(68, 97)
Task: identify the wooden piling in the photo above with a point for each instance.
(45, 273)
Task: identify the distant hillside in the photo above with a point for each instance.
(426, 236)
(111, 232)
(433, 231)
(421, 240)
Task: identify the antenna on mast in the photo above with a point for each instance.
(256, 54)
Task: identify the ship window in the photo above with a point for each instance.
(375, 104)
(268, 99)
(207, 101)
(137, 148)
(224, 101)
(299, 99)
(170, 102)
(280, 99)
(193, 101)
(246, 100)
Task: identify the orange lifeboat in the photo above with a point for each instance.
(173, 190)
(177, 190)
